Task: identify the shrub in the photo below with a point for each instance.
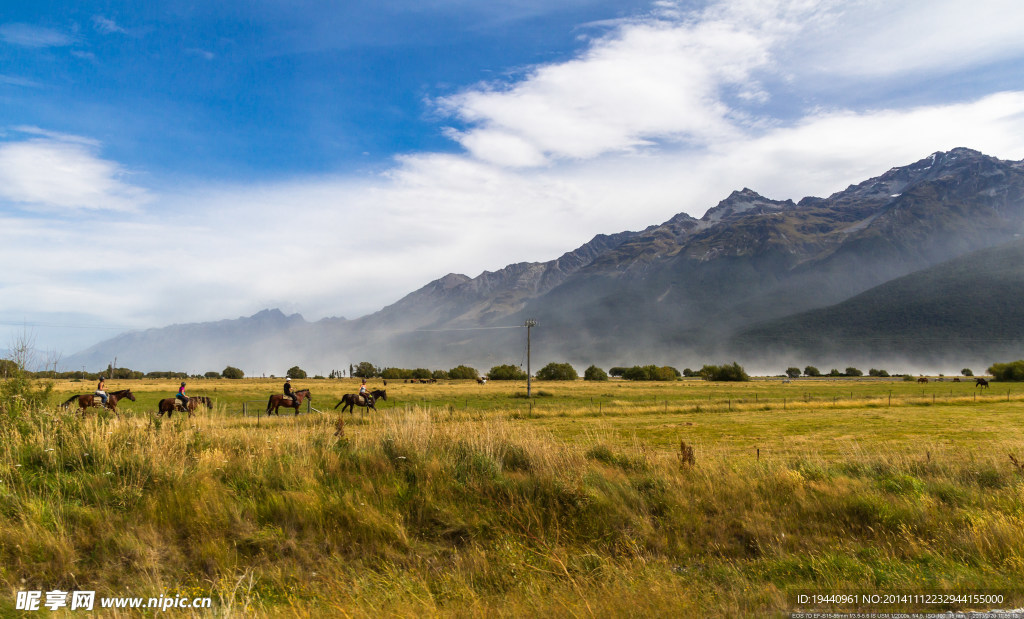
(811, 371)
(557, 371)
(651, 372)
(423, 373)
(854, 372)
(967, 372)
(687, 372)
(395, 373)
(595, 373)
(211, 375)
(463, 372)
(439, 374)
(1012, 371)
(834, 372)
(728, 372)
(506, 372)
(881, 373)
(232, 372)
(617, 371)
(295, 372)
(793, 372)
(365, 369)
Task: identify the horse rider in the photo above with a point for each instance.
(288, 391)
(364, 393)
(101, 390)
(181, 396)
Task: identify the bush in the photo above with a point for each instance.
(967, 372)
(687, 372)
(793, 372)
(506, 372)
(557, 371)
(811, 371)
(617, 371)
(651, 372)
(232, 372)
(423, 373)
(834, 372)
(463, 372)
(595, 373)
(295, 372)
(395, 373)
(162, 374)
(854, 372)
(1012, 371)
(881, 373)
(365, 369)
(439, 374)
(728, 372)
(211, 375)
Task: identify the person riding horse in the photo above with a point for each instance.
(181, 396)
(101, 391)
(365, 394)
(288, 390)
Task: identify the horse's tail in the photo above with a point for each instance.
(340, 402)
(270, 403)
(69, 401)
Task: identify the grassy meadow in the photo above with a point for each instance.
(458, 499)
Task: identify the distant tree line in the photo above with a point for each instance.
(1012, 371)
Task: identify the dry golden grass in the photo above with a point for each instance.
(459, 501)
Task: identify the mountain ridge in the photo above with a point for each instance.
(681, 288)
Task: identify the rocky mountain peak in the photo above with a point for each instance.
(742, 202)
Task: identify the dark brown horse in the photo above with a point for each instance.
(278, 400)
(980, 382)
(352, 400)
(91, 399)
(169, 405)
(922, 380)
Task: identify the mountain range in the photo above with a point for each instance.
(922, 264)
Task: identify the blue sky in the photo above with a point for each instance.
(328, 158)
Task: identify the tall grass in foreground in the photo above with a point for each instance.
(423, 512)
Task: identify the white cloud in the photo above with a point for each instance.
(883, 38)
(105, 25)
(54, 172)
(26, 35)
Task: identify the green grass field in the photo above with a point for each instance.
(460, 499)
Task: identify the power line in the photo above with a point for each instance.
(468, 329)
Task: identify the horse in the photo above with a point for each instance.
(956, 380)
(980, 382)
(352, 400)
(91, 399)
(922, 380)
(277, 400)
(169, 405)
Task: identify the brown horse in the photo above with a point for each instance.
(352, 400)
(91, 399)
(278, 400)
(922, 380)
(980, 382)
(169, 405)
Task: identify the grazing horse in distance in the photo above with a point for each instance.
(922, 380)
(956, 380)
(277, 400)
(980, 382)
(91, 399)
(352, 400)
(169, 405)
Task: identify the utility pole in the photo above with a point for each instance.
(529, 324)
